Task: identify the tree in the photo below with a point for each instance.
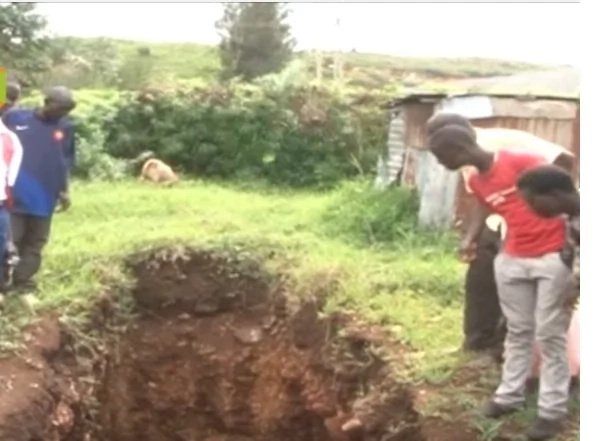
(23, 44)
(255, 39)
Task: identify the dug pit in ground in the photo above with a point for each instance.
(216, 353)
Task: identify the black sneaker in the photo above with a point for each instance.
(494, 410)
(543, 429)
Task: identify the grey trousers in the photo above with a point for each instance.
(532, 292)
(29, 234)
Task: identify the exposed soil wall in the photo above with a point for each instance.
(215, 353)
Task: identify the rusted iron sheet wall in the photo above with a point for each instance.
(557, 131)
(435, 184)
(533, 108)
(416, 116)
(437, 188)
(396, 145)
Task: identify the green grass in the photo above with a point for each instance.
(439, 67)
(191, 63)
(393, 284)
(410, 283)
(172, 60)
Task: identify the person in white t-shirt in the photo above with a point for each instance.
(10, 163)
(483, 324)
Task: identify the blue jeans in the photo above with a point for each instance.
(4, 237)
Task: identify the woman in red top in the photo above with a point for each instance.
(532, 280)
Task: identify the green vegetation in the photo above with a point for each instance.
(273, 129)
(255, 39)
(279, 168)
(392, 285)
(107, 62)
(99, 61)
(22, 43)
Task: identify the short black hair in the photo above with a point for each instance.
(452, 136)
(13, 90)
(546, 179)
(440, 120)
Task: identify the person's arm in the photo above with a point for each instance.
(69, 160)
(15, 162)
(475, 221)
(477, 214)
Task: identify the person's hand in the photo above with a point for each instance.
(467, 251)
(571, 299)
(64, 201)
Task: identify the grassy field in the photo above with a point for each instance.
(412, 285)
(385, 271)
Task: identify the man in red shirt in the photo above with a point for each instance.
(532, 280)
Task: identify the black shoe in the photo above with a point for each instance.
(543, 429)
(494, 410)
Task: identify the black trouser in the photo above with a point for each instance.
(483, 323)
(30, 235)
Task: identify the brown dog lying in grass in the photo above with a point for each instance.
(156, 171)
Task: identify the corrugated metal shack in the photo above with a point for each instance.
(443, 200)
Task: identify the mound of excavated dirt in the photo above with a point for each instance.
(214, 354)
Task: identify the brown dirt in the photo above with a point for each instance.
(32, 399)
(435, 429)
(214, 354)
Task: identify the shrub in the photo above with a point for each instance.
(365, 214)
(278, 129)
(289, 134)
(93, 162)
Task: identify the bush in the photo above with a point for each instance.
(365, 214)
(291, 135)
(278, 129)
(93, 163)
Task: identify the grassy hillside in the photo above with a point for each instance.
(156, 62)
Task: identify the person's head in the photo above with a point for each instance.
(549, 191)
(13, 92)
(566, 161)
(58, 102)
(440, 120)
(454, 146)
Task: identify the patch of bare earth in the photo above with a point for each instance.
(455, 406)
(213, 353)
